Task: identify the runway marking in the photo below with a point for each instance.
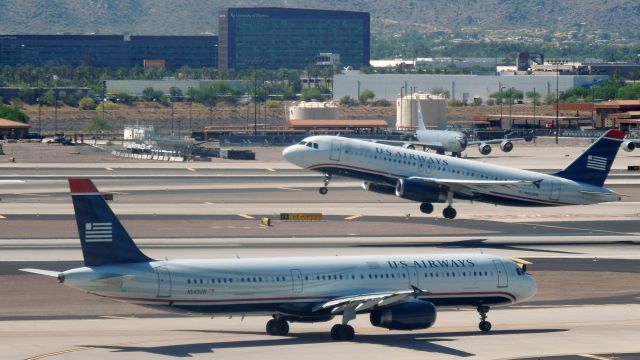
(208, 203)
(191, 169)
(56, 353)
(32, 194)
(272, 170)
(114, 317)
(590, 356)
(288, 188)
(118, 193)
(108, 169)
(2, 217)
(353, 217)
(246, 216)
(581, 229)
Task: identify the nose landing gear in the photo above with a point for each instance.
(323, 190)
(484, 325)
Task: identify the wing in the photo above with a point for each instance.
(367, 301)
(468, 186)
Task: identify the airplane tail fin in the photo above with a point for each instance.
(103, 238)
(592, 167)
(421, 126)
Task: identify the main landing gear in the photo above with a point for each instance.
(344, 332)
(449, 212)
(278, 327)
(484, 325)
(323, 190)
(341, 332)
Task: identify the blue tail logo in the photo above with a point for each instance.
(103, 238)
(592, 167)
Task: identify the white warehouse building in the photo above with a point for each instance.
(460, 87)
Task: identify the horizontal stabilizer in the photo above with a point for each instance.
(41, 272)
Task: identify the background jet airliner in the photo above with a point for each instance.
(431, 178)
(398, 292)
(454, 142)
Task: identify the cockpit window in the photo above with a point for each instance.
(309, 144)
(315, 145)
(302, 142)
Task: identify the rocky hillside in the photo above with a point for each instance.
(200, 16)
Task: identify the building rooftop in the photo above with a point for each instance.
(10, 124)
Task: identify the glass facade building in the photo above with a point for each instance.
(276, 38)
(117, 51)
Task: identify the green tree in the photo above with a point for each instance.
(13, 113)
(365, 96)
(309, 94)
(535, 96)
(150, 94)
(175, 92)
(98, 123)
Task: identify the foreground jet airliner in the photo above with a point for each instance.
(431, 178)
(398, 292)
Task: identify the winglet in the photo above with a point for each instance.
(82, 186)
(614, 134)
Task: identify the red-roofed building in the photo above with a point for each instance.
(10, 129)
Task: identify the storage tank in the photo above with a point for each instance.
(313, 110)
(434, 111)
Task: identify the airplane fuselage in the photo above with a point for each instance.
(293, 286)
(384, 164)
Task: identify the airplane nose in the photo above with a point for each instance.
(289, 153)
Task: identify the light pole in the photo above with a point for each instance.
(593, 119)
(172, 114)
(510, 102)
(534, 108)
(401, 88)
(557, 101)
(500, 87)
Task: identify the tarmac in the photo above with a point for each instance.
(586, 259)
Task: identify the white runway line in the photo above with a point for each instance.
(246, 216)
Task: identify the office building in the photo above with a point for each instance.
(283, 38)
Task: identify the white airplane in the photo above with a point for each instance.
(454, 142)
(431, 178)
(290, 289)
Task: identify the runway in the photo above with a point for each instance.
(585, 260)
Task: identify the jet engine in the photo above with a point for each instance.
(379, 188)
(628, 145)
(419, 191)
(506, 146)
(405, 316)
(485, 149)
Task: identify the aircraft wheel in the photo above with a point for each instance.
(335, 331)
(449, 212)
(282, 327)
(323, 190)
(426, 208)
(484, 326)
(272, 327)
(342, 332)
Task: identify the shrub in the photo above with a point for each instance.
(87, 103)
(455, 103)
(381, 102)
(108, 105)
(348, 101)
